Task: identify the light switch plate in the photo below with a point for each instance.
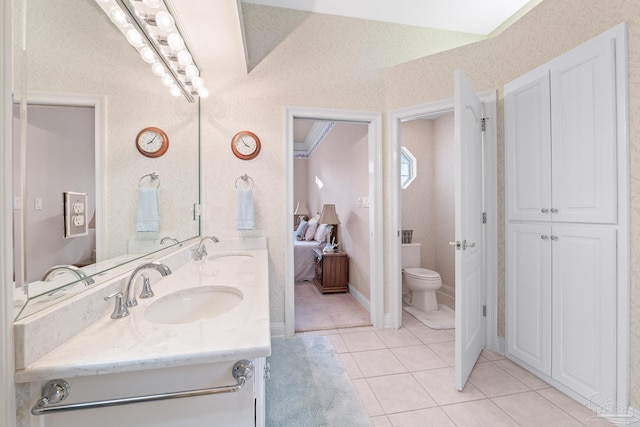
(75, 214)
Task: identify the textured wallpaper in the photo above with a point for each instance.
(550, 29)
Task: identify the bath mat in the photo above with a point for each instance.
(444, 318)
(309, 387)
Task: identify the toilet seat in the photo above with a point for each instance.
(422, 274)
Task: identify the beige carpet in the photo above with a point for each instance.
(316, 311)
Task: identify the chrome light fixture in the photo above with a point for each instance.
(150, 27)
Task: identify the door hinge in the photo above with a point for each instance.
(484, 311)
(483, 123)
(484, 217)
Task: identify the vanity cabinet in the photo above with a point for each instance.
(563, 192)
(331, 271)
(244, 408)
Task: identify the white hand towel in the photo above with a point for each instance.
(148, 212)
(244, 209)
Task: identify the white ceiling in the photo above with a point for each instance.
(215, 32)
(468, 16)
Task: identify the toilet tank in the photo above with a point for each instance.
(411, 255)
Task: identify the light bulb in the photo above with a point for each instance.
(118, 16)
(184, 58)
(175, 90)
(165, 21)
(158, 69)
(134, 37)
(203, 92)
(197, 82)
(175, 41)
(147, 55)
(168, 81)
(191, 71)
(153, 3)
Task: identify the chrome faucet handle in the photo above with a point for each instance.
(120, 310)
(201, 250)
(146, 292)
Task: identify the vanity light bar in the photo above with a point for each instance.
(182, 78)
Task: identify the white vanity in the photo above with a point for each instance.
(204, 318)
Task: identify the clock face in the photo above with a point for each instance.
(245, 145)
(152, 142)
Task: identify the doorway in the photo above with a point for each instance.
(489, 159)
(373, 201)
(46, 114)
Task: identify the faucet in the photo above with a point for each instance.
(201, 250)
(57, 269)
(168, 239)
(129, 294)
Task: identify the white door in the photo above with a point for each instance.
(528, 286)
(527, 128)
(469, 286)
(584, 310)
(583, 124)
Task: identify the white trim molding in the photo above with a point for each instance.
(374, 122)
(7, 385)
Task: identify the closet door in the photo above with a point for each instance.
(528, 334)
(584, 310)
(528, 147)
(583, 123)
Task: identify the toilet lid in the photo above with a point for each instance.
(422, 273)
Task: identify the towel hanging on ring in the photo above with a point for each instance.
(244, 209)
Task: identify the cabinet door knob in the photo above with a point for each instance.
(554, 210)
(544, 210)
(554, 238)
(544, 237)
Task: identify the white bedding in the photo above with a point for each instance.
(304, 259)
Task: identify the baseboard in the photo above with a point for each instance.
(277, 330)
(361, 299)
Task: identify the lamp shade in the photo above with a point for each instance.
(329, 215)
(301, 209)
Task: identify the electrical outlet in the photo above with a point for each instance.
(75, 214)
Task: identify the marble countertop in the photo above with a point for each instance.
(134, 343)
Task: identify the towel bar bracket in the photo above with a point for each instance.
(56, 391)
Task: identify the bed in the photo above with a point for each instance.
(304, 259)
(307, 237)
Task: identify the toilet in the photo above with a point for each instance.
(421, 283)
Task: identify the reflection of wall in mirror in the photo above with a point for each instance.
(74, 48)
(60, 155)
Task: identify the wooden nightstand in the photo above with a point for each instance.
(332, 271)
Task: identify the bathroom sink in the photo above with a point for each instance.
(231, 256)
(193, 304)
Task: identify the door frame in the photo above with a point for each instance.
(374, 135)
(489, 99)
(98, 103)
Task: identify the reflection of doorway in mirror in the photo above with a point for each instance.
(59, 155)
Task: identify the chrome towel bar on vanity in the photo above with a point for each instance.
(56, 391)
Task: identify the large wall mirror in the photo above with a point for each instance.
(82, 95)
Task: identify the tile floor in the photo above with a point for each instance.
(405, 377)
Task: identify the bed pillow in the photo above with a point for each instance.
(321, 233)
(312, 226)
(300, 231)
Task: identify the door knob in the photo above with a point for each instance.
(455, 244)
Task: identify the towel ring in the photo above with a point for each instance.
(246, 178)
(154, 177)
